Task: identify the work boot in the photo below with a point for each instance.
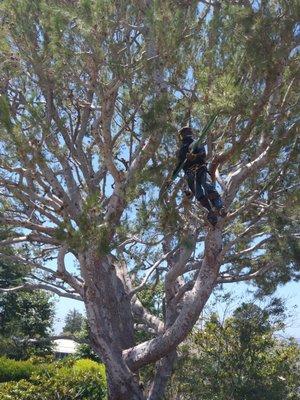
(212, 218)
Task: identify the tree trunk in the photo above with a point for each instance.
(163, 371)
(122, 383)
(110, 322)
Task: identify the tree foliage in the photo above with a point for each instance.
(239, 358)
(26, 322)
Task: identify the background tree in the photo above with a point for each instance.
(92, 94)
(26, 322)
(239, 358)
(25, 317)
(73, 322)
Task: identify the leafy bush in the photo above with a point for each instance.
(80, 380)
(88, 365)
(11, 370)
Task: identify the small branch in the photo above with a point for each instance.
(178, 268)
(226, 278)
(135, 239)
(27, 224)
(250, 249)
(248, 230)
(183, 289)
(153, 268)
(145, 328)
(22, 260)
(37, 286)
(142, 314)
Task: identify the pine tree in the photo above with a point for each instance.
(92, 94)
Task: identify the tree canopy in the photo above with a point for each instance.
(92, 94)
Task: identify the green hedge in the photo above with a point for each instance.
(80, 380)
(12, 370)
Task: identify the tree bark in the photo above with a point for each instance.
(110, 322)
(163, 371)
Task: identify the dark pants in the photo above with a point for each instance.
(201, 185)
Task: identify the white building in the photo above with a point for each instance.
(64, 347)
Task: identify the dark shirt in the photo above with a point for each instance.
(198, 152)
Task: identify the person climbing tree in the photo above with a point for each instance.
(192, 159)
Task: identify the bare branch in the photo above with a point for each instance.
(227, 278)
(250, 249)
(150, 272)
(36, 286)
(22, 260)
(145, 328)
(144, 315)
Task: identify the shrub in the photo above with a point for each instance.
(85, 364)
(84, 380)
(12, 370)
